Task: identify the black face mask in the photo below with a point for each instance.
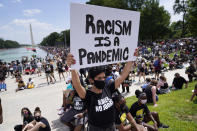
(37, 118)
(100, 84)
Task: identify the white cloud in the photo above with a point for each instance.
(18, 30)
(31, 12)
(37, 24)
(1, 5)
(168, 5)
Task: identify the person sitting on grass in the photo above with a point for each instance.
(39, 123)
(21, 85)
(162, 85)
(178, 82)
(27, 118)
(194, 93)
(148, 81)
(139, 110)
(191, 72)
(151, 93)
(122, 114)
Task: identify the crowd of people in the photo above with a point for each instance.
(92, 99)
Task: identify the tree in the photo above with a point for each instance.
(180, 6)
(154, 21)
(51, 39)
(8, 44)
(136, 4)
(175, 30)
(192, 17)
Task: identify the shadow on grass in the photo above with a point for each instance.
(195, 101)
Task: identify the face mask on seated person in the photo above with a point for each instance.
(100, 84)
(144, 101)
(37, 118)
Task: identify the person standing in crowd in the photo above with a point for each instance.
(60, 69)
(47, 72)
(157, 67)
(139, 110)
(2, 77)
(141, 68)
(39, 123)
(39, 69)
(1, 113)
(126, 83)
(27, 118)
(178, 82)
(100, 105)
(52, 72)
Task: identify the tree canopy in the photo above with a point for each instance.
(8, 44)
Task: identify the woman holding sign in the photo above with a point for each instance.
(100, 106)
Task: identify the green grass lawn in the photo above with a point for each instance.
(175, 109)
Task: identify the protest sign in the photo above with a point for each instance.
(102, 35)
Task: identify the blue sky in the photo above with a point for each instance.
(46, 16)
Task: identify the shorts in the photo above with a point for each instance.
(47, 74)
(39, 69)
(94, 128)
(60, 71)
(141, 69)
(158, 71)
(69, 116)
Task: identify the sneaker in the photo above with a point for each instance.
(61, 111)
(163, 126)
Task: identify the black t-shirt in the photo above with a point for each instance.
(138, 111)
(120, 116)
(45, 121)
(101, 107)
(47, 69)
(191, 70)
(59, 65)
(178, 82)
(78, 104)
(27, 120)
(148, 92)
(165, 86)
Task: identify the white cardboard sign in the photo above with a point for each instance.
(102, 35)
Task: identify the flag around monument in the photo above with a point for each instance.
(102, 35)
